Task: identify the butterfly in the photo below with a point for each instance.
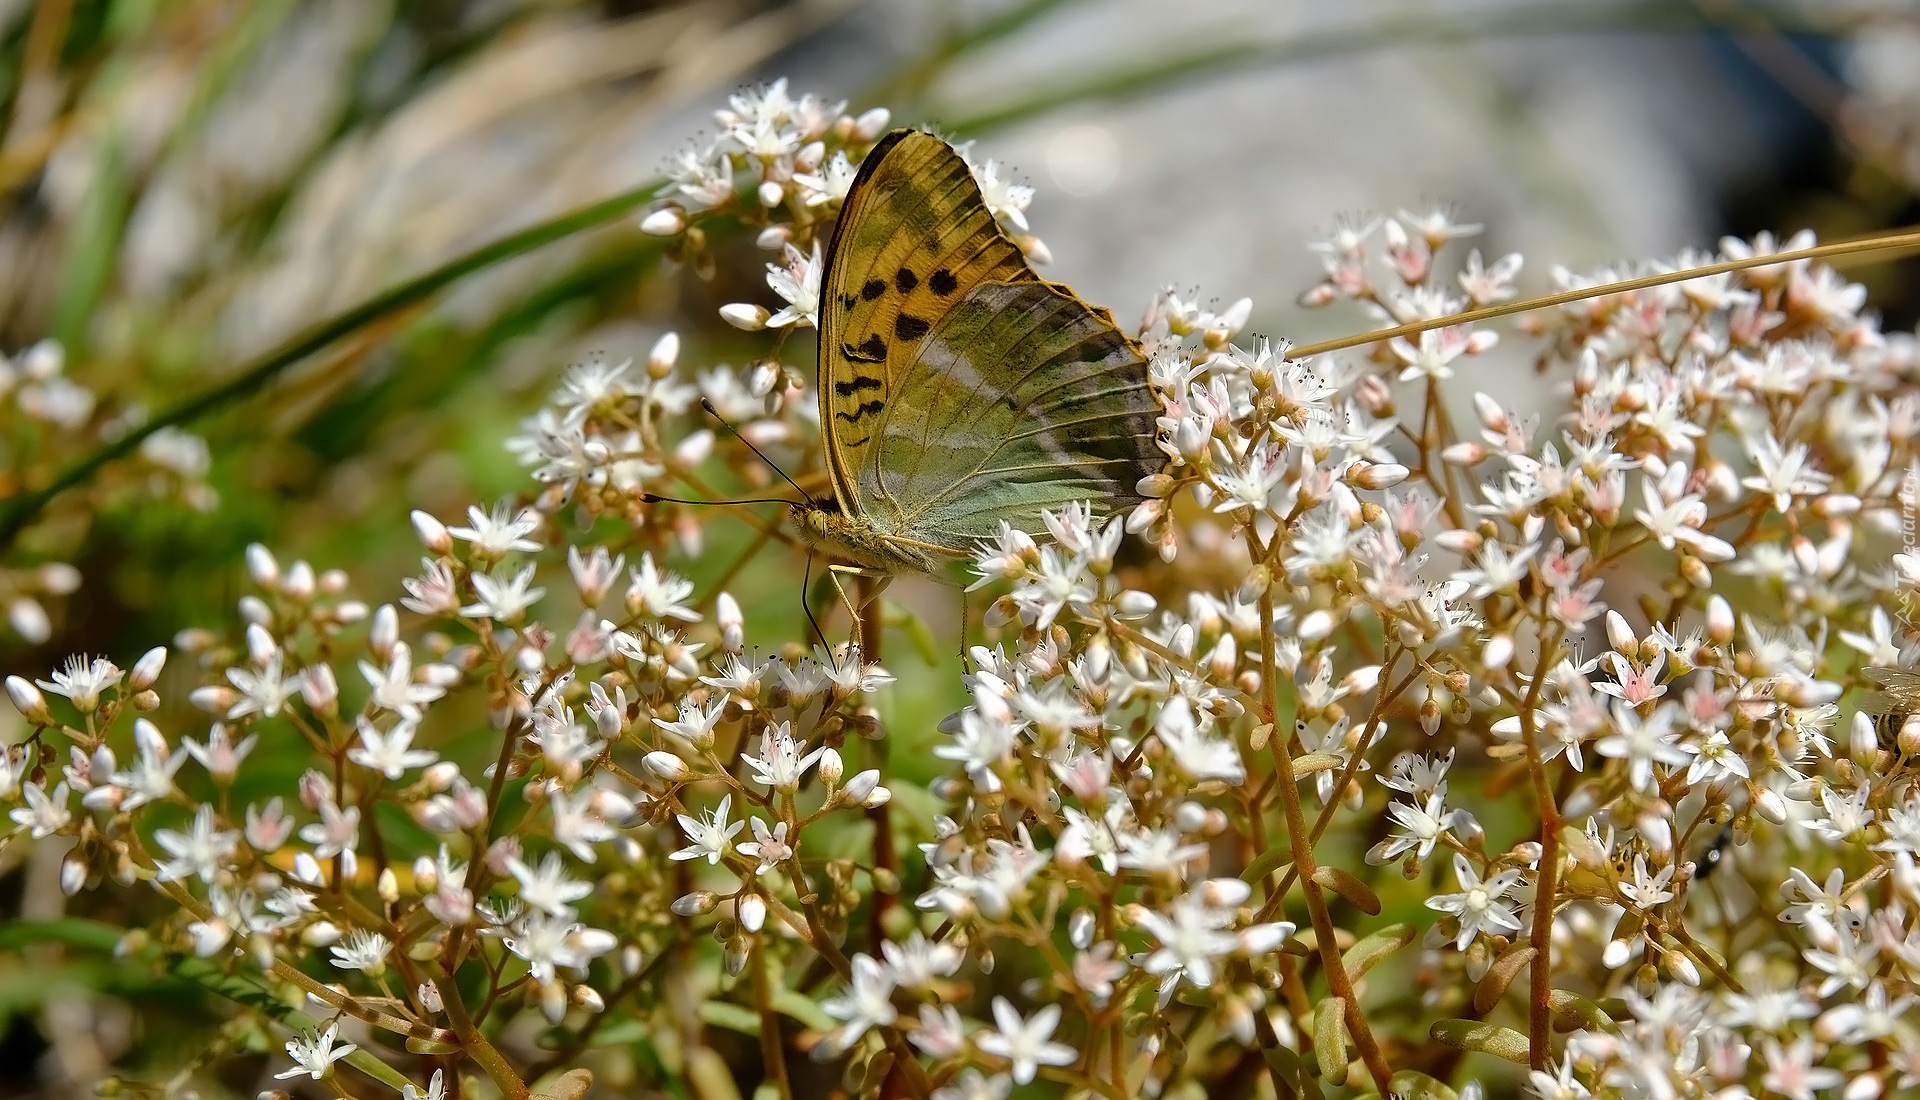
(958, 389)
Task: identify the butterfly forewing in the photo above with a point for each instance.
(912, 234)
(958, 389)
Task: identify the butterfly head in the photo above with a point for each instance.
(856, 540)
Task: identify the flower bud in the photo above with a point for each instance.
(431, 532)
(29, 620)
(830, 767)
(745, 316)
(320, 690)
(753, 912)
(666, 765)
(262, 567)
(28, 701)
(667, 221)
(871, 124)
(774, 237)
(666, 351)
(384, 633)
(147, 669)
(771, 193)
(300, 583)
(696, 904)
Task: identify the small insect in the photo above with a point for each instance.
(1716, 851)
(1892, 707)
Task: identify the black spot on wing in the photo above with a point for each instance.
(874, 289)
(860, 382)
(909, 327)
(873, 349)
(859, 353)
(904, 280)
(873, 406)
(943, 282)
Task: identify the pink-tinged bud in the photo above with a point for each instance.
(73, 874)
(698, 903)
(1492, 415)
(29, 620)
(667, 221)
(871, 124)
(1620, 636)
(426, 875)
(861, 785)
(1797, 692)
(57, 578)
(254, 610)
(320, 690)
(1468, 453)
(1771, 806)
(1368, 475)
(1318, 296)
(431, 532)
(28, 701)
(667, 766)
(215, 699)
(774, 237)
(440, 776)
(333, 582)
(1835, 505)
(753, 912)
(771, 193)
(1460, 540)
(500, 855)
(321, 934)
(1033, 248)
(1864, 1086)
(1317, 625)
(745, 316)
(300, 583)
(262, 567)
(732, 623)
(147, 669)
(830, 768)
(1720, 620)
(1499, 651)
(666, 351)
(384, 632)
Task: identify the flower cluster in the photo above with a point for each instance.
(1373, 737)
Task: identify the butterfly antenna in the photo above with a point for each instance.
(771, 464)
(655, 498)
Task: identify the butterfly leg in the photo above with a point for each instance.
(869, 592)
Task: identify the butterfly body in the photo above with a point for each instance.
(959, 390)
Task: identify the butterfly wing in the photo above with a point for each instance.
(957, 388)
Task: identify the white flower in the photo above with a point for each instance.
(389, 753)
(867, 1003)
(83, 680)
(436, 1089)
(659, 594)
(711, 838)
(263, 692)
(396, 689)
(503, 598)
(1479, 905)
(1643, 742)
(363, 951)
(779, 764)
(768, 849)
(799, 283)
(548, 888)
(497, 533)
(315, 1057)
(44, 814)
(1025, 1041)
(200, 853)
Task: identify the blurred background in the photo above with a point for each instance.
(187, 186)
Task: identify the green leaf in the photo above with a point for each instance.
(1482, 1038)
(1366, 954)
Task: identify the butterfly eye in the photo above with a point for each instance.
(817, 520)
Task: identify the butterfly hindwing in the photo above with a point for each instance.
(1025, 398)
(957, 388)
